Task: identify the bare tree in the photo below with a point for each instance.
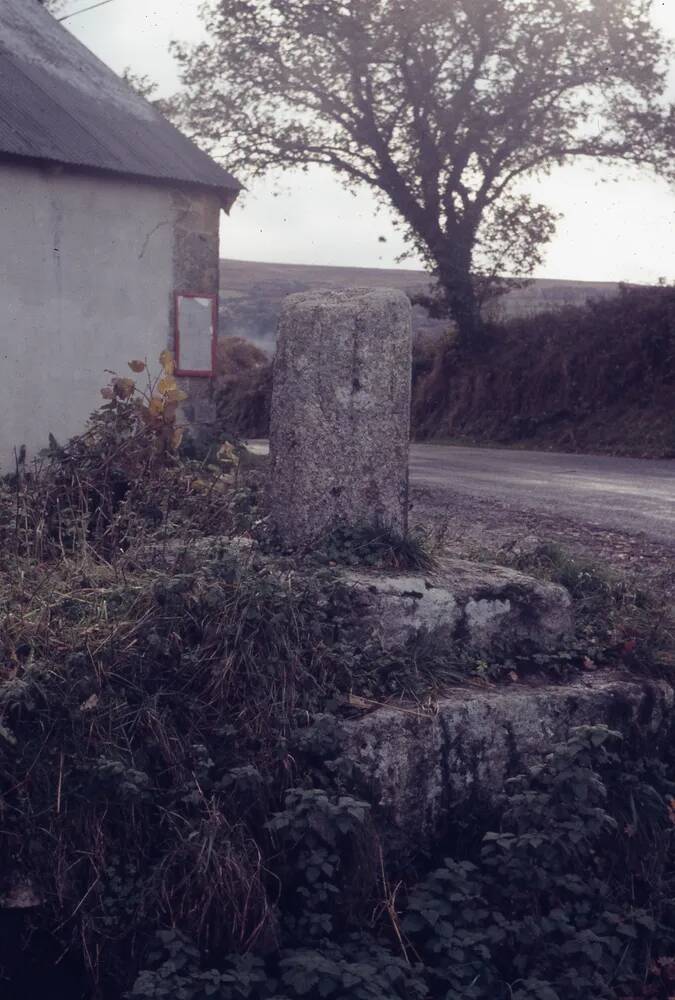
(147, 88)
(442, 106)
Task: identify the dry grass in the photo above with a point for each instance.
(243, 389)
(128, 702)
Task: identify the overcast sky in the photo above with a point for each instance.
(614, 228)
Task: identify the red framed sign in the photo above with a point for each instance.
(195, 335)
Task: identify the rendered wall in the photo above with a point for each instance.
(88, 269)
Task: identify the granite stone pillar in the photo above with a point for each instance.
(340, 422)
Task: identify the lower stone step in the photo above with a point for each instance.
(422, 766)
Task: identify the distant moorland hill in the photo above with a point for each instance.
(251, 294)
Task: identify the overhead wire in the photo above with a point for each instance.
(83, 10)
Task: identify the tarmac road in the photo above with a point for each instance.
(632, 495)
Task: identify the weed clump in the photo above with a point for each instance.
(144, 738)
(119, 485)
(376, 547)
(613, 612)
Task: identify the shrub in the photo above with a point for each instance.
(118, 482)
(243, 401)
(556, 905)
(597, 377)
(612, 611)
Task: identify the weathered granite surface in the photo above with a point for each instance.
(485, 607)
(340, 422)
(422, 766)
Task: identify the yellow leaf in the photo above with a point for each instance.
(137, 366)
(156, 406)
(177, 437)
(170, 412)
(107, 393)
(167, 384)
(176, 395)
(167, 362)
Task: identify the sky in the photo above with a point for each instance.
(614, 227)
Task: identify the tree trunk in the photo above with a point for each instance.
(457, 285)
(465, 311)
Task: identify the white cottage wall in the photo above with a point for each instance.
(86, 283)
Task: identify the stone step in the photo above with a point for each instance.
(423, 766)
(487, 608)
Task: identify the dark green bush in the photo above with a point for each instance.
(597, 377)
(556, 904)
(570, 898)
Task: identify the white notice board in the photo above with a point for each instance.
(195, 334)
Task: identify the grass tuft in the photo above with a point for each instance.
(614, 610)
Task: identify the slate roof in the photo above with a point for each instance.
(59, 103)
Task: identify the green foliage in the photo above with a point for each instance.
(370, 972)
(320, 834)
(177, 975)
(370, 546)
(151, 808)
(591, 378)
(116, 483)
(570, 897)
(377, 548)
(127, 737)
(556, 905)
(360, 969)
